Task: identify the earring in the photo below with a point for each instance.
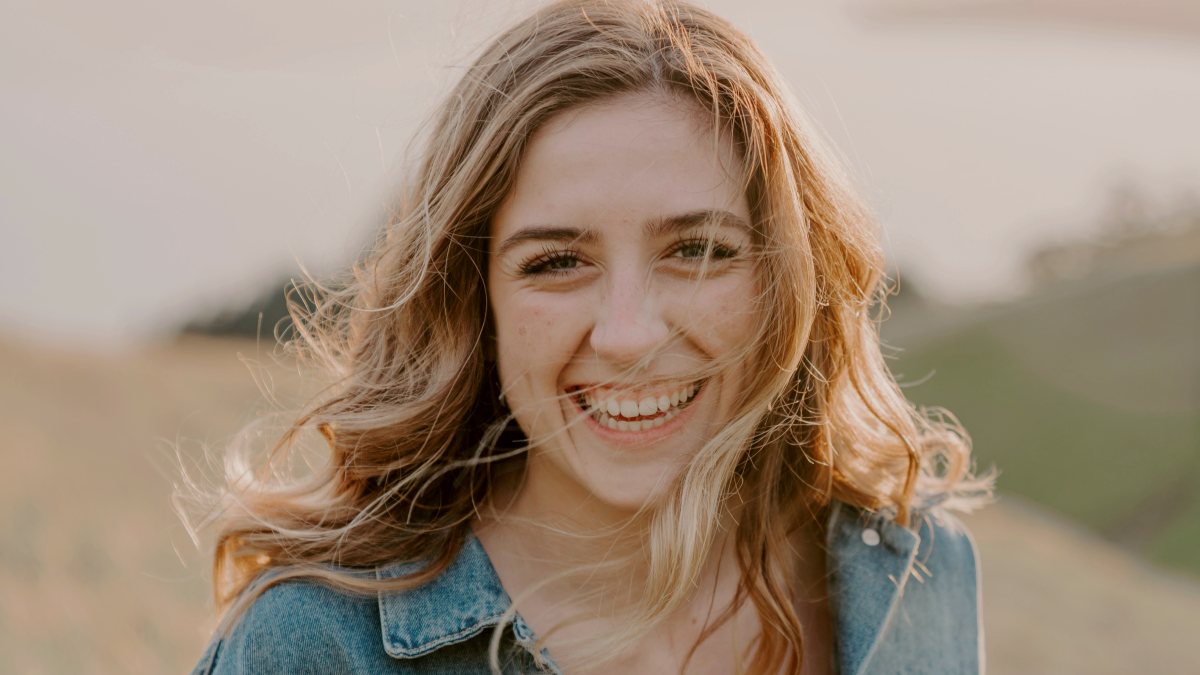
(503, 403)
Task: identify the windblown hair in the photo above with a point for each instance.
(414, 430)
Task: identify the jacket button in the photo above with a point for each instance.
(870, 537)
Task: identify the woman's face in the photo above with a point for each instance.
(620, 267)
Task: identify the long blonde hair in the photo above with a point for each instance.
(414, 430)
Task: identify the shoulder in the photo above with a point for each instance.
(300, 626)
(907, 598)
(947, 562)
(939, 617)
(936, 545)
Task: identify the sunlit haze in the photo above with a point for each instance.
(161, 162)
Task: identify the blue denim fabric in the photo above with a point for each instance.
(903, 601)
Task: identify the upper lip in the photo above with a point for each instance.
(631, 390)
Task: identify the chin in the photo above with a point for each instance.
(635, 494)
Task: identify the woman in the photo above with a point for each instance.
(608, 395)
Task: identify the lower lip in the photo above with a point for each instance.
(646, 436)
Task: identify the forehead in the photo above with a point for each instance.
(629, 158)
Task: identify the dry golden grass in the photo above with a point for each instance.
(97, 574)
(96, 571)
(1059, 600)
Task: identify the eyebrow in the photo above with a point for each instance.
(654, 228)
(699, 218)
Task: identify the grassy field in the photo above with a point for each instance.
(1086, 395)
(96, 572)
(97, 575)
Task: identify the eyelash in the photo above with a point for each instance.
(716, 247)
(542, 263)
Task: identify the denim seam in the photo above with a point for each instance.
(428, 647)
(981, 654)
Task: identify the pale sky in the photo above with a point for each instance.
(161, 159)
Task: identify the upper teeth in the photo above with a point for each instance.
(640, 406)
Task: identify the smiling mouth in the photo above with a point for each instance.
(624, 411)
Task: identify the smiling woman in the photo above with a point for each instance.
(608, 394)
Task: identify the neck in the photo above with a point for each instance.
(559, 564)
(570, 587)
(547, 533)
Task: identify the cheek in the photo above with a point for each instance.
(723, 317)
(534, 335)
(532, 325)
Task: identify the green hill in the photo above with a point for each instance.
(1086, 396)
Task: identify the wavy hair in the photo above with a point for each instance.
(414, 431)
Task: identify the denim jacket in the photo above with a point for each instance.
(902, 601)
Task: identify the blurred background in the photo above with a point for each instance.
(165, 168)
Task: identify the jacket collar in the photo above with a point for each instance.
(869, 562)
(870, 559)
(460, 603)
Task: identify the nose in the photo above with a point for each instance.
(630, 324)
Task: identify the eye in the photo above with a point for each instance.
(551, 261)
(700, 249)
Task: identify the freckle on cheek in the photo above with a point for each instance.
(535, 323)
